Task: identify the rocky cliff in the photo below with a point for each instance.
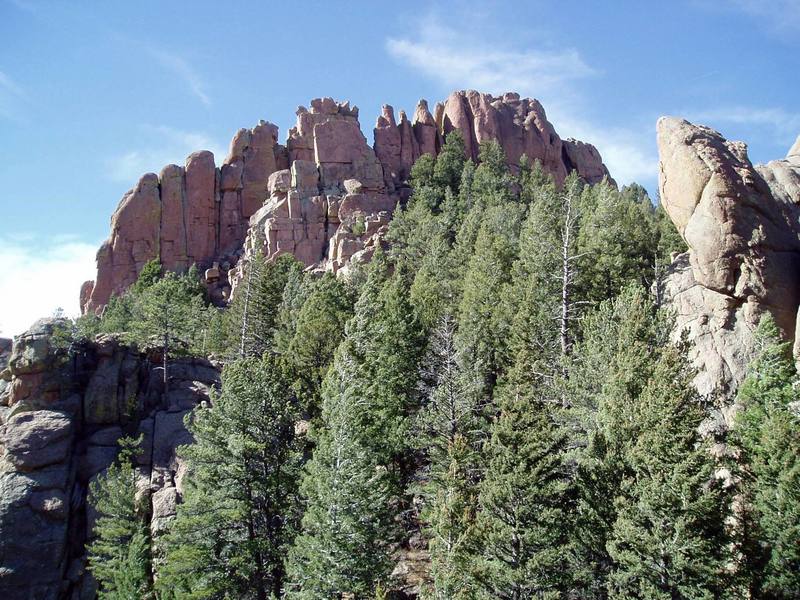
(742, 225)
(326, 196)
(60, 418)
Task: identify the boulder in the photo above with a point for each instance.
(37, 438)
(740, 223)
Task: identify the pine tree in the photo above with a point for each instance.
(483, 326)
(618, 240)
(436, 289)
(767, 437)
(318, 330)
(492, 181)
(151, 272)
(669, 539)
(344, 546)
(254, 310)
(169, 314)
(449, 431)
(450, 163)
(240, 509)
(607, 370)
(536, 293)
(119, 555)
(524, 502)
(526, 495)
(389, 346)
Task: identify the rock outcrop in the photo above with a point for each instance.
(333, 202)
(60, 419)
(742, 225)
(195, 214)
(294, 198)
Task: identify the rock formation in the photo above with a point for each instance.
(742, 225)
(196, 214)
(326, 196)
(333, 202)
(60, 419)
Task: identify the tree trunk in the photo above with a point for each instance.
(245, 310)
(164, 351)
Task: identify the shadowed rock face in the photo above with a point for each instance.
(60, 419)
(201, 214)
(742, 225)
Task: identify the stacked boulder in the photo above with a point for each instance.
(195, 214)
(332, 202)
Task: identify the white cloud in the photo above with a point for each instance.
(629, 154)
(780, 16)
(443, 54)
(11, 93)
(182, 69)
(459, 61)
(40, 276)
(165, 145)
(783, 125)
(11, 86)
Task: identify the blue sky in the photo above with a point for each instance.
(93, 94)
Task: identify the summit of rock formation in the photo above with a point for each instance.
(326, 196)
(742, 225)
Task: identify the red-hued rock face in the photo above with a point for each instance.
(519, 125)
(288, 198)
(188, 215)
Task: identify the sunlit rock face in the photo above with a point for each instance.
(742, 225)
(294, 198)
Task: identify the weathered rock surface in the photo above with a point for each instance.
(201, 214)
(333, 201)
(195, 214)
(59, 425)
(742, 225)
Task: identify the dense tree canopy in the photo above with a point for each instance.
(494, 407)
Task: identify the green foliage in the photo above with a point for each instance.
(347, 527)
(669, 240)
(422, 172)
(608, 371)
(170, 314)
(450, 162)
(318, 329)
(119, 555)
(436, 291)
(386, 342)
(767, 436)
(449, 428)
(150, 274)
(542, 301)
(669, 538)
(241, 510)
(483, 326)
(618, 241)
(254, 310)
(499, 384)
(493, 181)
(525, 502)
(650, 519)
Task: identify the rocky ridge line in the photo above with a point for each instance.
(326, 196)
